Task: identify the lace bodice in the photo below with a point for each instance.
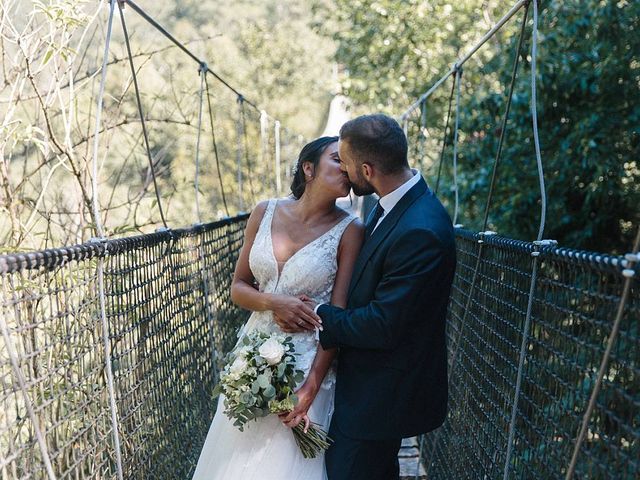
(311, 271)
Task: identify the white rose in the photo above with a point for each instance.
(238, 366)
(271, 351)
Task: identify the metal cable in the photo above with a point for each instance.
(505, 118)
(182, 47)
(455, 147)
(444, 140)
(215, 148)
(534, 119)
(276, 136)
(96, 137)
(100, 267)
(15, 365)
(464, 59)
(633, 258)
(202, 73)
(423, 134)
(527, 323)
(245, 149)
(479, 256)
(139, 102)
(239, 177)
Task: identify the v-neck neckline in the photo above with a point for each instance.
(288, 260)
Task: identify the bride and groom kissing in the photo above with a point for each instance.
(364, 305)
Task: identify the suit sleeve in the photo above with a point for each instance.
(411, 267)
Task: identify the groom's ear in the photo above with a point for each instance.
(367, 170)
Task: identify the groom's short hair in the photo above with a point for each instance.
(376, 139)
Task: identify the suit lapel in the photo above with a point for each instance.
(386, 226)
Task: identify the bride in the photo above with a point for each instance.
(296, 247)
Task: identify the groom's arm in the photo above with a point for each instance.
(409, 272)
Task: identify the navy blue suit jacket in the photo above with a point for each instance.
(392, 363)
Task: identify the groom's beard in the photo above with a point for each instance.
(361, 187)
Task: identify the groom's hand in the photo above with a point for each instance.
(294, 315)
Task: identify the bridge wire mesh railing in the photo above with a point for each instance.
(170, 318)
(574, 305)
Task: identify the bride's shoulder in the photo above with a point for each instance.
(354, 231)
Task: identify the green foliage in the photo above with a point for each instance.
(588, 105)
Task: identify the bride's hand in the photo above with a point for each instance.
(293, 315)
(300, 411)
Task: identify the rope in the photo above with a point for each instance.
(444, 141)
(629, 274)
(215, 148)
(455, 146)
(100, 269)
(534, 275)
(139, 102)
(23, 388)
(202, 73)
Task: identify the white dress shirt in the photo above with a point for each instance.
(389, 201)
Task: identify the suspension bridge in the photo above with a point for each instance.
(111, 348)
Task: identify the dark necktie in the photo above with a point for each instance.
(373, 220)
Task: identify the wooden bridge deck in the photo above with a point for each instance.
(409, 457)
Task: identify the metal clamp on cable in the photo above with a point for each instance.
(630, 258)
(542, 243)
(101, 241)
(487, 233)
(203, 67)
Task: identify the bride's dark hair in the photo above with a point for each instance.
(311, 153)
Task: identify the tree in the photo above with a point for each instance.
(588, 104)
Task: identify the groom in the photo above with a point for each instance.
(392, 365)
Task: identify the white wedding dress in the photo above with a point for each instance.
(266, 449)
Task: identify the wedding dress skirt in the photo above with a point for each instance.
(266, 449)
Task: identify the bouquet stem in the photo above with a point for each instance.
(314, 441)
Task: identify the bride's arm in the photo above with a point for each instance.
(244, 293)
(348, 250)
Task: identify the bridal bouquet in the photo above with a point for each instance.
(259, 379)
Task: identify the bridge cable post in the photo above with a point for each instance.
(539, 242)
(276, 135)
(101, 259)
(629, 272)
(484, 233)
(215, 146)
